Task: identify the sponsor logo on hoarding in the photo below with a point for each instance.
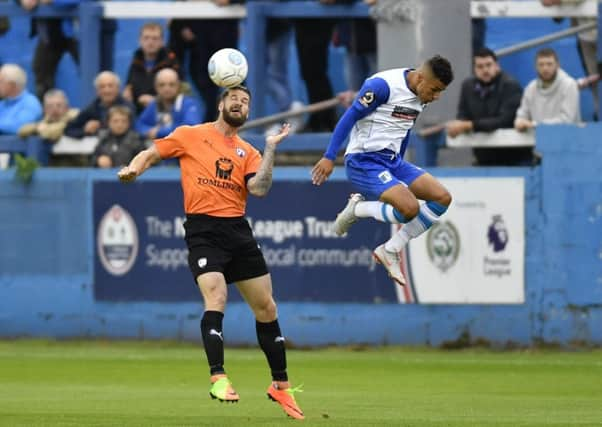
(443, 245)
(497, 264)
(117, 241)
(497, 234)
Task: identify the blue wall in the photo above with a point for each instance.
(46, 266)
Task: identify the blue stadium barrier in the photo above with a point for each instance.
(32, 147)
(47, 265)
(12, 144)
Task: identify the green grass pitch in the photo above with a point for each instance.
(165, 384)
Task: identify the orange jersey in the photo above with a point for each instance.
(214, 168)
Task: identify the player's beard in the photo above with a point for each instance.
(233, 120)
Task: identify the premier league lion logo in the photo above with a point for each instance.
(497, 234)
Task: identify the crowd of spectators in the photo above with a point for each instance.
(156, 97)
(491, 99)
(156, 89)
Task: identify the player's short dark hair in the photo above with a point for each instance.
(227, 91)
(441, 69)
(485, 52)
(547, 52)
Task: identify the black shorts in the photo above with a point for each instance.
(225, 245)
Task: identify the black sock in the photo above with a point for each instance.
(213, 340)
(271, 342)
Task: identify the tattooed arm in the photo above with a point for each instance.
(260, 184)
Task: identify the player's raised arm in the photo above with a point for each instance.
(374, 92)
(260, 184)
(143, 160)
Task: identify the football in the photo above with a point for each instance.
(227, 67)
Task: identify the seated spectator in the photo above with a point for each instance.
(118, 144)
(148, 59)
(553, 97)
(170, 108)
(488, 101)
(56, 116)
(17, 105)
(50, 129)
(94, 117)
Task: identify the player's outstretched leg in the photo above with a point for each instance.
(282, 393)
(222, 390)
(347, 217)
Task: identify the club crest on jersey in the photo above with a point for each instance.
(223, 168)
(367, 98)
(405, 113)
(385, 176)
(240, 152)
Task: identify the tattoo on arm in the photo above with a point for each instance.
(262, 181)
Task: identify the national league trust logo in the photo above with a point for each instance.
(117, 241)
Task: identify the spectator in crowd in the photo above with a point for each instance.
(118, 144)
(169, 110)
(312, 37)
(359, 37)
(147, 60)
(587, 46)
(278, 37)
(182, 42)
(202, 38)
(56, 116)
(50, 129)
(553, 97)
(56, 36)
(488, 101)
(94, 116)
(17, 105)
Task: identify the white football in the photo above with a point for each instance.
(227, 67)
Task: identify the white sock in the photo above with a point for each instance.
(414, 228)
(379, 211)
